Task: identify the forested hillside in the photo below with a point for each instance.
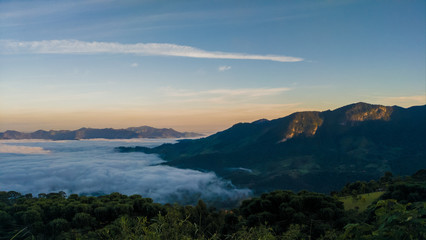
(317, 151)
(399, 214)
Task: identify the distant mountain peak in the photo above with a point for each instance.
(307, 123)
(108, 133)
(360, 112)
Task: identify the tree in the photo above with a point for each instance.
(83, 220)
(58, 225)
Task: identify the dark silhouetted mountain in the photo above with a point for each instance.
(108, 133)
(318, 151)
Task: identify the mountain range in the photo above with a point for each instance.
(107, 133)
(317, 151)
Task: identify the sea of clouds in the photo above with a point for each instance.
(92, 167)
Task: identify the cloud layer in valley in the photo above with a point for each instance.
(153, 49)
(92, 167)
(22, 149)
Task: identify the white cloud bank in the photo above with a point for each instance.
(22, 149)
(92, 167)
(153, 49)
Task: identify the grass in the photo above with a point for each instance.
(361, 201)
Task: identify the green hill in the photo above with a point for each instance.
(317, 151)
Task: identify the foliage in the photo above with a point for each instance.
(276, 215)
(392, 221)
(360, 202)
(282, 209)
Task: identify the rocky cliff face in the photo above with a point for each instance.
(305, 123)
(360, 112)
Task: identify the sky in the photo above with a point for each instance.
(203, 65)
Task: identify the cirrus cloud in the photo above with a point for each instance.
(404, 101)
(153, 49)
(222, 95)
(224, 68)
(245, 92)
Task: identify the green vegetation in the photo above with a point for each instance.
(392, 220)
(275, 215)
(360, 202)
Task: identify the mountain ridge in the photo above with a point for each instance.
(318, 151)
(107, 133)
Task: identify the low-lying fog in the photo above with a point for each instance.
(92, 167)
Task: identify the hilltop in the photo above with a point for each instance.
(317, 151)
(107, 133)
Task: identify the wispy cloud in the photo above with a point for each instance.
(134, 64)
(404, 101)
(247, 92)
(224, 68)
(19, 9)
(221, 96)
(153, 49)
(419, 98)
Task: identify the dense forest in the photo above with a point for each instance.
(399, 213)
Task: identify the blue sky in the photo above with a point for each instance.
(203, 65)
